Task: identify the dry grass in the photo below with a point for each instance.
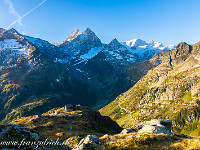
(148, 142)
(187, 144)
(59, 124)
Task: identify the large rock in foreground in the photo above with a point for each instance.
(154, 129)
(158, 122)
(128, 130)
(93, 140)
(156, 126)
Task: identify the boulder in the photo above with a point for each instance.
(132, 137)
(157, 122)
(154, 129)
(128, 130)
(89, 139)
(105, 136)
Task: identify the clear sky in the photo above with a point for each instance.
(167, 21)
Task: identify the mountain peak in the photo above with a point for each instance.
(76, 30)
(72, 36)
(12, 30)
(75, 34)
(9, 34)
(88, 31)
(135, 42)
(115, 43)
(183, 46)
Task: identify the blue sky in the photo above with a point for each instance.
(167, 21)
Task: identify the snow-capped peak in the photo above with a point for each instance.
(74, 34)
(152, 41)
(135, 43)
(138, 44)
(78, 35)
(171, 47)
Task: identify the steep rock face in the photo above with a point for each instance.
(118, 53)
(170, 90)
(80, 42)
(73, 35)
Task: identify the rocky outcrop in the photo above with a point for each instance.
(157, 122)
(128, 130)
(93, 140)
(156, 126)
(154, 129)
(170, 90)
(15, 137)
(67, 124)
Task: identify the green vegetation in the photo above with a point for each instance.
(56, 123)
(169, 91)
(25, 110)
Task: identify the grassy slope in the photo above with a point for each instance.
(170, 91)
(80, 122)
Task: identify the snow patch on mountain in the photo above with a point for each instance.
(14, 46)
(91, 53)
(80, 42)
(74, 34)
(134, 43)
(116, 52)
(38, 42)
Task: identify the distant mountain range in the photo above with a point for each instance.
(37, 75)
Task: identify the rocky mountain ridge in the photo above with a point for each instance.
(169, 91)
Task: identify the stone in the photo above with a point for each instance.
(131, 137)
(157, 122)
(154, 129)
(105, 136)
(128, 130)
(89, 139)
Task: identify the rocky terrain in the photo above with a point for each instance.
(57, 123)
(169, 91)
(80, 130)
(15, 137)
